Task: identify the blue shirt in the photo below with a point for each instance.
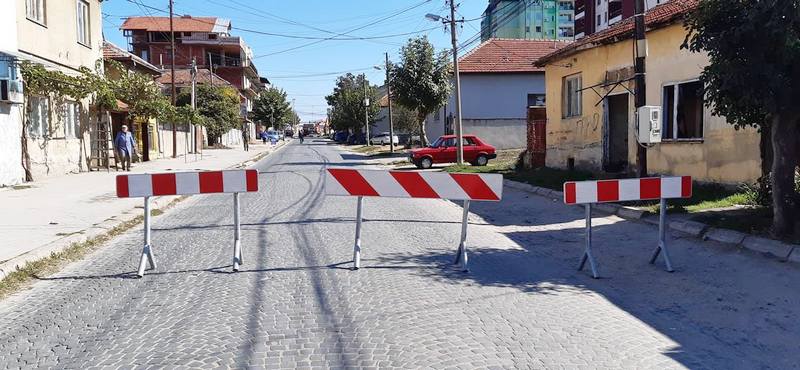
(124, 142)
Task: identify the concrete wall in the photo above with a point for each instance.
(494, 107)
(724, 154)
(11, 172)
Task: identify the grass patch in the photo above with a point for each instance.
(23, 276)
(377, 150)
(506, 164)
(704, 197)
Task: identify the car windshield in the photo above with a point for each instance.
(436, 143)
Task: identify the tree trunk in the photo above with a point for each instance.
(423, 139)
(785, 139)
(765, 148)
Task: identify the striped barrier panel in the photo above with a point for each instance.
(187, 183)
(605, 191)
(411, 184)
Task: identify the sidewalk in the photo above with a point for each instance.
(56, 212)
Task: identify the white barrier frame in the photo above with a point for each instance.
(461, 260)
(148, 258)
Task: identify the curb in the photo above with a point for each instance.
(766, 247)
(93, 231)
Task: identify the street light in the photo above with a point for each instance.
(459, 134)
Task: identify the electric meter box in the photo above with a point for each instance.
(649, 123)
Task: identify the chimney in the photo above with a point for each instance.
(186, 16)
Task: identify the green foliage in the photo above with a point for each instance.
(217, 109)
(404, 119)
(140, 93)
(753, 47)
(347, 103)
(41, 81)
(421, 81)
(272, 108)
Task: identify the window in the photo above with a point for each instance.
(83, 23)
(538, 29)
(449, 143)
(536, 100)
(146, 55)
(71, 118)
(468, 141)
(598, 19)
(38, 116)
(571, 99)
(35, 10)
(683, 111)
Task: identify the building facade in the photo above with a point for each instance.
(528, 19)
(54, 134)
(205, 40)
(596, 15)
(499, 84)
(590, 107)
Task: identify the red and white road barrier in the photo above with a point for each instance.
(187, 183)
(407, 184)
(605, 191)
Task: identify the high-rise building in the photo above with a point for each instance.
(529, 19)
(596, 15)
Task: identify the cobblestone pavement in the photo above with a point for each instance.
(296, 304)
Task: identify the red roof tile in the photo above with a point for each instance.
(111, 51)
(180, 24)
(657, 17)
(507, 56)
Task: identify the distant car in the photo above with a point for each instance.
(273, 136)
(383, 139)
(355, 139)
(443, 150)
(340, 136)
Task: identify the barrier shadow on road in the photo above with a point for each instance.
(334, 220)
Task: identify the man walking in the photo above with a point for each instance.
(246, 137)
(125, 144)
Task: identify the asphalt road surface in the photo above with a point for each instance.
(297, 304)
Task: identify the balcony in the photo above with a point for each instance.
(211, 38)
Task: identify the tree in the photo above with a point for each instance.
(752, 79)
(218, 107)
(347, 103)
(405, 120)
(421, 81)
(272, 107)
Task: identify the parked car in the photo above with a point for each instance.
(355, 139)
(383, 139)
(443, 150)
(273, 136)
(341, 136)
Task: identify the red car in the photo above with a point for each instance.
(443, 150)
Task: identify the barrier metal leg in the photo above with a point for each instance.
(147, 253)
(357, 246)
(237, 243)
(587, 254)
(662, 236)
(461, 255)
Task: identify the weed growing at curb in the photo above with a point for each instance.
(23, 276)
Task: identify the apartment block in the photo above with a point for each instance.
(529, 19)
(596, 15)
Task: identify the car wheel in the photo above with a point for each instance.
(482, 160)
(425, 163)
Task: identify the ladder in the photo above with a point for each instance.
(102, 147)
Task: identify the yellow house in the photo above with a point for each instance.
(590, 105)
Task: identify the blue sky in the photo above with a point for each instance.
(307, 74)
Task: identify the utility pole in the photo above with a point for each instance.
(366, 108)
(457, 118)
(172, 78)
(389, 100)
(640, 90)
(194, 104)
